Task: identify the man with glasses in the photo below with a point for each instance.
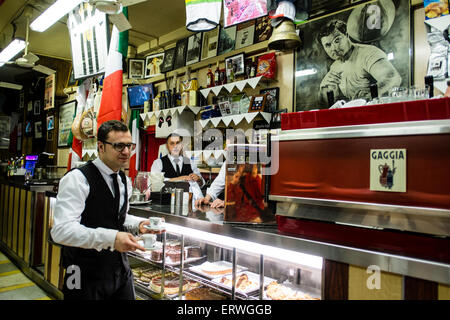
(91, 221)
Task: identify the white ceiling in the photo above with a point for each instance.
(149, 19)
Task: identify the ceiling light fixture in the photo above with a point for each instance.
(55, 12)
(9, 85)
(11, 51)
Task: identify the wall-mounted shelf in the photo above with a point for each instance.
(240, 85)
(236, 119)
(171, 111)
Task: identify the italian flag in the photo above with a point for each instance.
(76, 147)
(134, 158)
(111, 102)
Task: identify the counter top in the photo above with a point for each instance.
(212, 221)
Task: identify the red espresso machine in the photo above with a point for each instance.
(374, 177)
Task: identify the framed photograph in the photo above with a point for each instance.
(245, 34)
(180, 57)
(236, 63)
(49, 95)
(28, 128)
(22, 100)
(38, 129)
(5, 127)
(210, 43)
(271, 99)
(49, 135)
(66, 115)
(235, 12)
(50, 122)
(136, 68)
(380, 53)
(194, 48)
(37, 107)
(169, 59)
(30, 106)
(153, 64)
(225, 108)
(263, 29)
(227, 40)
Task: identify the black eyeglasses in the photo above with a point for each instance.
(120, 146)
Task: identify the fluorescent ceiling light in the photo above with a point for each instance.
(11, 51)
(306, 72)
(55, 12)
(303, 259)
(10, 85)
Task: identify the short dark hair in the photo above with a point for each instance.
(329, 28)
(108, 126)
(173, 135)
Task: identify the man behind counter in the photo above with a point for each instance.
(91, 221)
(176, 167)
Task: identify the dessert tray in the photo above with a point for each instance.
(147, 255)
(216, 269)
(286, 291)
(246, 282)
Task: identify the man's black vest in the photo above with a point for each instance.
(169, 170)
(99, 212)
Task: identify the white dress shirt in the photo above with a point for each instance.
(218, 185)
(157, 166)
(70, 203)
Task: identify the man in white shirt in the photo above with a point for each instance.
(176, 167)
(213, 192)
(91, 221)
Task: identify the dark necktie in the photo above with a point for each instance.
(176, 160)
(116, 191)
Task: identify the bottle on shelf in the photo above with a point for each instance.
(217, 75)
(223, 76)
(209, 78)
(253, 68)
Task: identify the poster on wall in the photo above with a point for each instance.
(49, 97)
(210, 41)
(66, 114)
(153, 64)
(38, 129)
(5, 123)
(88, 29)
(238, 11)
(347, 52)
(227, 40)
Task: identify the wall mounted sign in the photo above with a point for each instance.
(88, 29)
(388, 170)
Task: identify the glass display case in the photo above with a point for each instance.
(191, 264)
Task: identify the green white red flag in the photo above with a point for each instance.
(134, 158)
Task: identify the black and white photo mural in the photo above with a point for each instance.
(347, 52)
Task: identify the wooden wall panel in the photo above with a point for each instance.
(16, 218)
(390, 285)
(28, 224)
(10, 216)
(443, 292)
(21, 229)
(418, 289)
(55, 266)
(335, 281)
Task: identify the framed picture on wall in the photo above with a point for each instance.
(136, 68)
(37, 107)
(180, 56)
(235, 63)
(210, 42)
(227, 40)
(169, 59)
(50, 122)
(66, 116)
(379, 54)
(194, 48)
(263, 29)
(49, 135)
(153, 64)
(38, 129)
(271, 99)
(245, 34)
(5, 126)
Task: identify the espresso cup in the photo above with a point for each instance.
(156, 223)
(149, 240)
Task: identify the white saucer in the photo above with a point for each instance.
(146, 226)
(137, 203)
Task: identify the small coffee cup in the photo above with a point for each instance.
(149, 240)
(156, 223)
